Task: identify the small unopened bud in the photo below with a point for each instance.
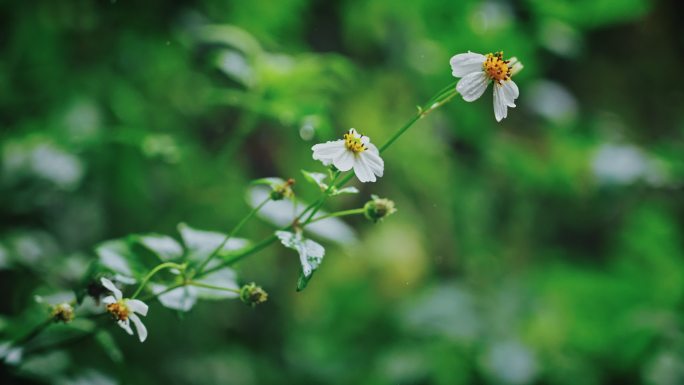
(378, 208)
(63, 312)
(252, 295)
(283, 190)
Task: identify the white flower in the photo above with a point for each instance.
(477, 71)
(125, 309)
(354, 151)
(310, 253)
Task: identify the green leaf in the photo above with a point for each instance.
(163, 246)
(310, 253)
(346, 190)
(108, 344)
(200, 243)
(303, 281)
(181, 298)
(272, 181)
(117, 257)
(316, 178)
(226, 278)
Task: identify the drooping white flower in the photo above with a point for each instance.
(354, 151)
(125, 310)
(310, 252)
(477, 71)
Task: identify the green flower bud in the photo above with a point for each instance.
(378, 208)
(284, 190)
(63, 312)
(252, 295)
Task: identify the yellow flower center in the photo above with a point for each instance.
(496, 67)
(119, 310)
(353, 143)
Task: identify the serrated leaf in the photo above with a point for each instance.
(181, 298)
(281, 213)
(226, 278)
(346, 190)
(200, 243)
(316, 178)
(303, 281)
(310, 254)
(271, 181)
(108, 344)
(9, 354)
(164, 246)
(114, 255)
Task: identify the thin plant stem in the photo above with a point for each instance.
(158, 268)
(339, 214)
(208, 286)
(233, 232)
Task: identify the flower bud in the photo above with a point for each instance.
(283, 190)
(63, 312)
(378, 208)
(251, 294)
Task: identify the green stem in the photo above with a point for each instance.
(233, 232)
(236, 258)
(339, 214)
(207, 286)
(440, 98)
(166, 265)
(168, 289)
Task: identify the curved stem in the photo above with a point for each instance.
(233, 232)
(208, 286)
(438, 100)
(339, 214)
(166, 265)
(320, 202)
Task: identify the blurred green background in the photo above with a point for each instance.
(543, 250)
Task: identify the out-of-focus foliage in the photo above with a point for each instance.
(543, 250)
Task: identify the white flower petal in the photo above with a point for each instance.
(500, 109)
(515, 65)
(345, 161)
(511, 92)
(328, 150)
(126, 325)
(362, 171)
(472, 86)
(465, 63)
(108, 300)
(137, 306)
(374, 161)
(139, 327)
(110, 286)
(371, 147)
